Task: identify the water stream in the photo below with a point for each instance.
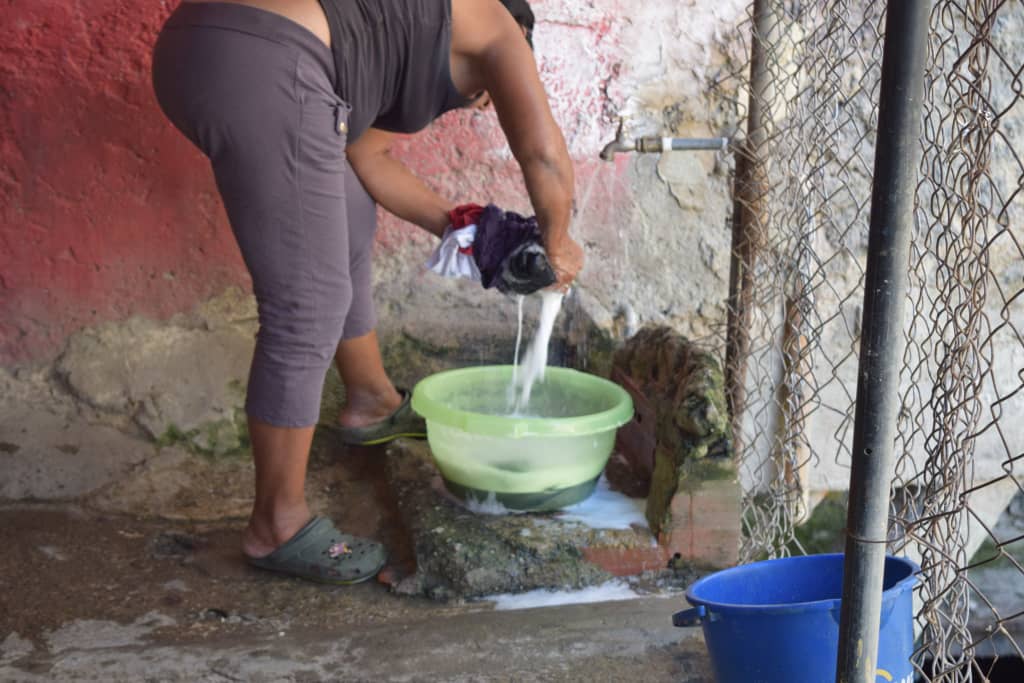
(513, 387)
(535, 360)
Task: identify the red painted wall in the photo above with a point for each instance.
(105, 210)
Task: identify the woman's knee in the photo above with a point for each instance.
(306, 327)
(293, 352)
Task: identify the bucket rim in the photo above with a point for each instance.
(888, 596)
(427, 403)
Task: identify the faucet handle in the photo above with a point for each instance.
(619, 144)
(620, 132)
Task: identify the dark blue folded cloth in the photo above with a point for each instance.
(509, 254)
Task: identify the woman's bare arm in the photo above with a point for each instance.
(393, 185)
(500, 61)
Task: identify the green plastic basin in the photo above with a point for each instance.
(546, 459)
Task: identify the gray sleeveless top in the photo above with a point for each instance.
(391, 62)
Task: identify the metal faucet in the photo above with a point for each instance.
(619, 144)
(652, 143)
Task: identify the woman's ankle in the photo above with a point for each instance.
(268, 530)
(364, 408)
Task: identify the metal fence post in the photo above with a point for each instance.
(750, 191)
(897, 156)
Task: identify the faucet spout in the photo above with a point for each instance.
(619, 144)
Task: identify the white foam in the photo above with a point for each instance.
(610, 591)
(607, 509)
(487, 506)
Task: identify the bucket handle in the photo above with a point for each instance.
(689, 617)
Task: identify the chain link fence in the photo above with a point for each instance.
(805, 92)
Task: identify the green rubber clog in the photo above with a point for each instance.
(319, 552)
(401, 423)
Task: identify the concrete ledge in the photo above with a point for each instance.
(462, 554)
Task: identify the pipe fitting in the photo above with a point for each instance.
(655, 144)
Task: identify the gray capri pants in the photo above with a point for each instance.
(253, 91)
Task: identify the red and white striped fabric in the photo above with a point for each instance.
(454, 256)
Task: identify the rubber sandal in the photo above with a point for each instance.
(319, 552)
(401, 423)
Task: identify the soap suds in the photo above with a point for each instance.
(616, 589)
(607, 509)
(488, 506)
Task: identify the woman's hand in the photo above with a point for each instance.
(489, 53)
(566, 259)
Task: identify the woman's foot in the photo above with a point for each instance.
(374, 412)
(364, 408)
(401, 422)
(267, 532)
(320, 552)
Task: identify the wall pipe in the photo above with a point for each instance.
(653, 143)
(897, 158)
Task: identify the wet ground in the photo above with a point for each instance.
(144, 582)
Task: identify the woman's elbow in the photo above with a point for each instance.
(546, 161)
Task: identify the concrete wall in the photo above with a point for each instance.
(108, 212)
(653, 228)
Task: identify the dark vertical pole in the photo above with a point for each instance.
(748, 217)
(897, 155)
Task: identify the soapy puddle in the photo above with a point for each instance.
(608, 509)
(616, 589)
(535, 360)
(605, 508)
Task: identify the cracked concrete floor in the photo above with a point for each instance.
(92, 593)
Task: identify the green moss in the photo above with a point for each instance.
(823, 530)
(709, 469)
(697, 415)
(681, 471)
(222, 438)
(594, 355)
(664, 482)
(226, 437)
(686, 387)
(990, 556)
(173, 436)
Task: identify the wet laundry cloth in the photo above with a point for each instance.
(454, 256)
(504, 248)
(509, 254)
(465, 215)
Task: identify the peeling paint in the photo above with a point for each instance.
(107, 212)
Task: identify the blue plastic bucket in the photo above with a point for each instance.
(778, 621)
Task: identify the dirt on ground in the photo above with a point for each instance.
(123, 587)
